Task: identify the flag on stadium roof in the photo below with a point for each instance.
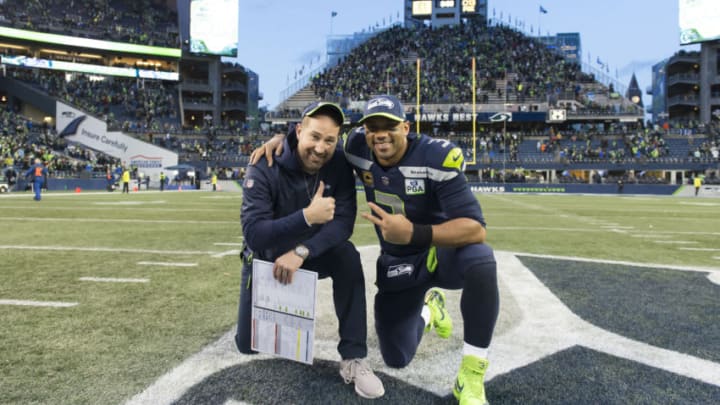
(543, 10)
(333, 14)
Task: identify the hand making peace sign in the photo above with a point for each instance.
(395, 228)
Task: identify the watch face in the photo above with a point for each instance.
(302, 251)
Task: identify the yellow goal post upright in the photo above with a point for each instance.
(474, 107)
(417, 96)
(474, 114)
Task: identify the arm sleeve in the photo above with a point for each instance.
(453, 194)
(341, 227)
(260, 229)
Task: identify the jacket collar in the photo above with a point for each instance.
(289, 159)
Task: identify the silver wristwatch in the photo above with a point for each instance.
(302, 251)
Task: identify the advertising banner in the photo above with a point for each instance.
(76, 126)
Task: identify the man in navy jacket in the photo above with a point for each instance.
(301, 212)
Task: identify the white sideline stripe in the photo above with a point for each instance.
(701, 249)
(227, 244)
(167, 264)
(114, 280)
(549, 326)
(233, 252)
(129, 221)
(651, 235)
(622, 262)
(678, 242)
(103, 249)
(38, 303)
(530, 228)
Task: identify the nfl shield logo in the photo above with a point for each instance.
(385, 180)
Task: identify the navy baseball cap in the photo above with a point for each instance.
(384, 106)
(331, 109)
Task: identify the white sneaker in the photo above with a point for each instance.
(367, 384)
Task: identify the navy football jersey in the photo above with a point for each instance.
(427, 186)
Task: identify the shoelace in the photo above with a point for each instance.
(357, 367)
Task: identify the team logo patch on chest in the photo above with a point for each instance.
(414, 186)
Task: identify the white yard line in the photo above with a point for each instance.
(167, 264)
(700, 249)
(227, 244)
(233, 252)
(105, 249)
(106, 220)
(114, 280)
(38, 303)
(677, 242)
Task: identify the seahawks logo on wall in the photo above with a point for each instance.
(72, 128)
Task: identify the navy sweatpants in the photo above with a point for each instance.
(400, 298)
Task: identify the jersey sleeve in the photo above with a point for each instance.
(446, 166)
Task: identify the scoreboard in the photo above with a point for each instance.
(425, 8)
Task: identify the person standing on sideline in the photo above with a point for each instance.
(432, 234)
(162, 181)
(39, 173)
(213, 180)
(126, 180)
(697, 183)
(301, 213)
(109, 180)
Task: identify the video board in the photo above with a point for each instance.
(214, 27)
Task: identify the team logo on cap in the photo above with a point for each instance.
(380, 102)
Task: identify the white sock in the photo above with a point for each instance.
(425, 314)
(481, 352)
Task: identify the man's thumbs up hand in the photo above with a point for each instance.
(321, 209)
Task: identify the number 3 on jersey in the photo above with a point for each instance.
(391, 201)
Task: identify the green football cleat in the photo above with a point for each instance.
(439, 316)
(469, 386)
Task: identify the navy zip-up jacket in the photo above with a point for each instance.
(274, 197)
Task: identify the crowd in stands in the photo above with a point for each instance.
(23, 140)
(511, 67)
(386, 64)
(146, 22)
(125, 103)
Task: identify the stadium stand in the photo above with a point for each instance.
(602, 131)
(138, 22)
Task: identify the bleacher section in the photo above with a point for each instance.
(512, 69)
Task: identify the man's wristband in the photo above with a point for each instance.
(421, 236)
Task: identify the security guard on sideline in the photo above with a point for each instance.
(39, 173)
(162, 181)
(126, 181)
